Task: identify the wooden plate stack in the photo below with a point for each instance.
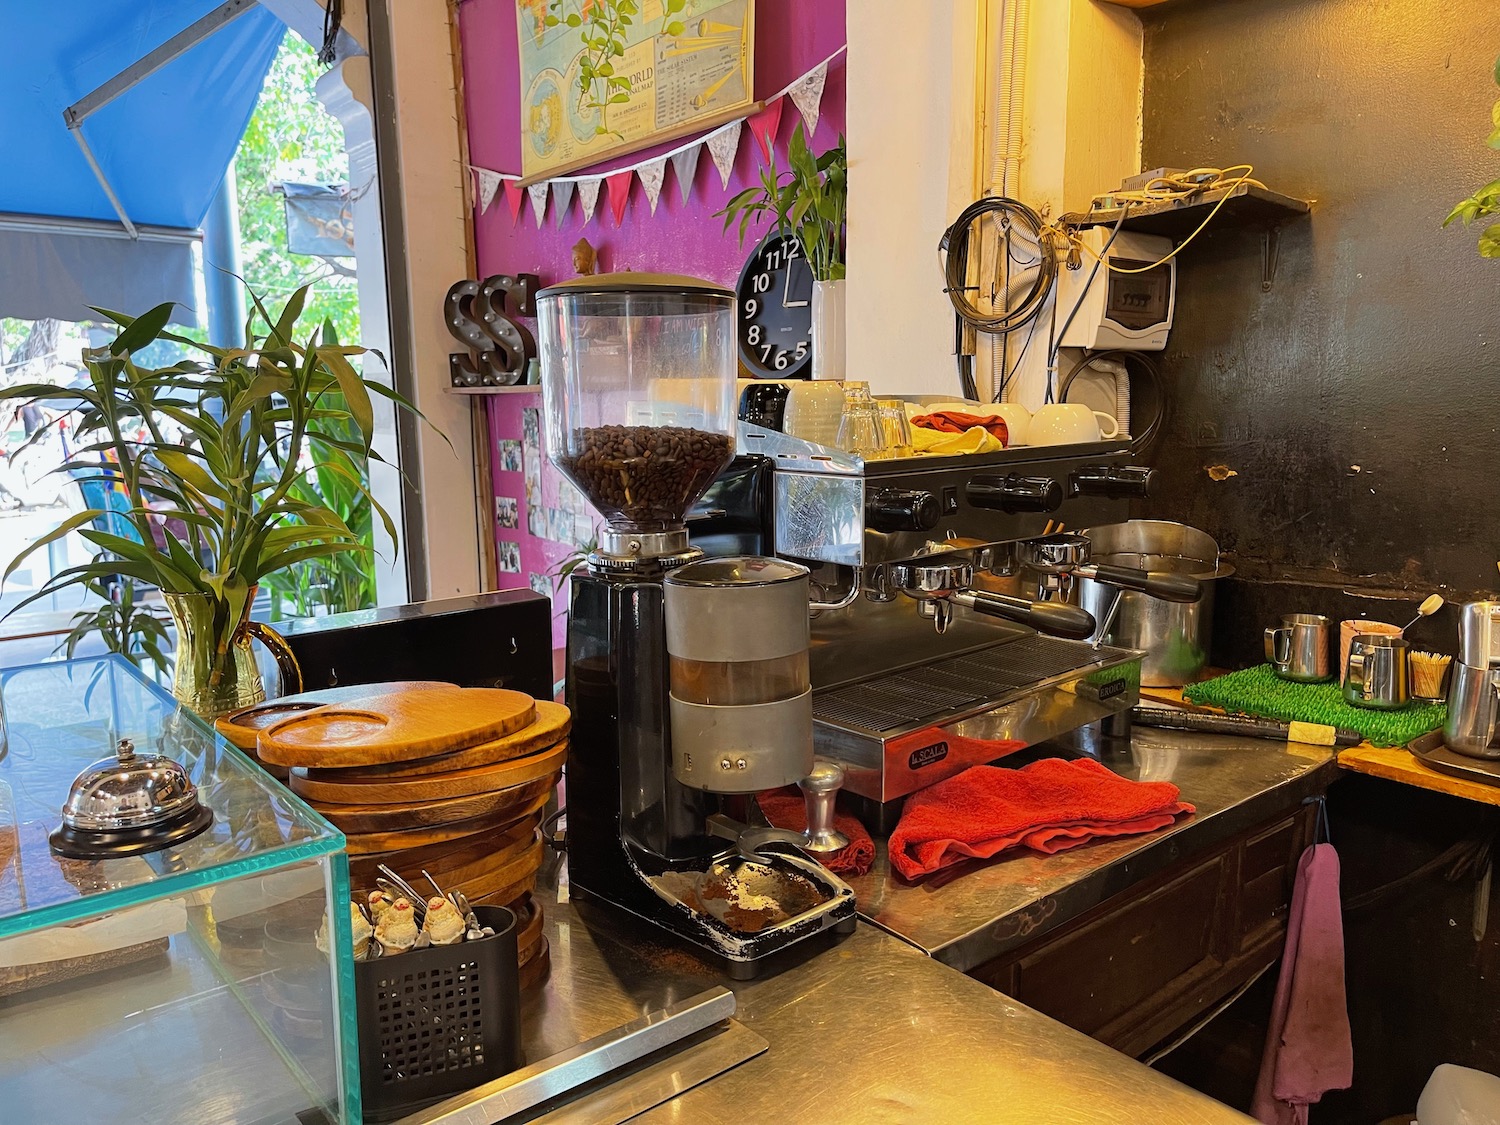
(425, 777)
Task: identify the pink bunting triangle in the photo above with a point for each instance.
(618, 186)
(513, 197)
(764, 125)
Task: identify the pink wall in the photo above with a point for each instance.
(791, 37)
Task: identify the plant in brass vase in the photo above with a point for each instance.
(211, 455)
(809, 199)
(1486, 201)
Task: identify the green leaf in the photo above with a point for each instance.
(676, 27)
(572, 20)
(1489, 242)
(142, 330)
(356, 394)
(191, 473)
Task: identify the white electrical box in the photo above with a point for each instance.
(1119, 310)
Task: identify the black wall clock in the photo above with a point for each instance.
(775, 325)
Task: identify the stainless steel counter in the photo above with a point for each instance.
(866, 1031)
(873, 1029)
(988, 909)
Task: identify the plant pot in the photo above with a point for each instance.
(216, 674)
(828, 330)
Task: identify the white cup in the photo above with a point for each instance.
(1071, 423)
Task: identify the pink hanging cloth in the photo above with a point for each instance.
(1308, 1047)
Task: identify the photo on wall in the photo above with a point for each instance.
(510, 455)
(507, 512)
(510, 556)
(540, 583)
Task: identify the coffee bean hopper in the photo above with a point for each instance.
(688, 681)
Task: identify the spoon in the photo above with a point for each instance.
(1430, 605)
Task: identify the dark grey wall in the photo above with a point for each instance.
(1379, 344)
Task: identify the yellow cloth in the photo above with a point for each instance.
(976, 439)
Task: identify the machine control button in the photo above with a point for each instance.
(1117, 482)
(902, 509)
(1015, 493)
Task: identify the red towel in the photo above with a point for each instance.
(1047, 806)
(956, 422)
(786, 808)
(1308, 1050)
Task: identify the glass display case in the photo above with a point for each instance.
(206, 982)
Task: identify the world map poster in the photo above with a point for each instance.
(602, 78)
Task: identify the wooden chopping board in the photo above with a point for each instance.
(368, 843)
(518, 872)
(466, 865)
(242, 728)
(434, 787)
(398, 816)
(397, 727)
(553, 721)
(449, 855)
(535, 971)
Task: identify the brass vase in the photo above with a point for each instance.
(212, 686)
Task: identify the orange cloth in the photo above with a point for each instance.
(786, 808)
(956, 422)
(1048, 806)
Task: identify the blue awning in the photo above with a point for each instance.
(161, 144)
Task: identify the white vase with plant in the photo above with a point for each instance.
(809, 200)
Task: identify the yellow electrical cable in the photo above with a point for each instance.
(1182, 192)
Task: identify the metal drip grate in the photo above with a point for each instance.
(901, 699)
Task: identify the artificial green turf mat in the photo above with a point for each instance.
(1260, 691)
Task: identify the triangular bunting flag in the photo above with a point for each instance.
(807, 96)
(685, 166)
(489, 183)
(588, 198)
(538, 193)
(562, 195)
(513, 197)
(619, 192)
(764, 125)
(722, 145)
(652, 174)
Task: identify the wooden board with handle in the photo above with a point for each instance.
(434, 787)
(398, 816)
(447, 855)
(398, 727)
(368, 843)
(551, 726)
(242, 728)
(510, 880)
(465, 866)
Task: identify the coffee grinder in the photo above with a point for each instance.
(688, 679)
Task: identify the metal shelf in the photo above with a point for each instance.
(515, 389)
(1247, 206)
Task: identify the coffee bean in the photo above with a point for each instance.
(644, 476)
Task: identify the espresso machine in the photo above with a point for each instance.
(946, 630)
(688, 677)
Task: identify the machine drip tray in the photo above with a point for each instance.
(958, 685)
